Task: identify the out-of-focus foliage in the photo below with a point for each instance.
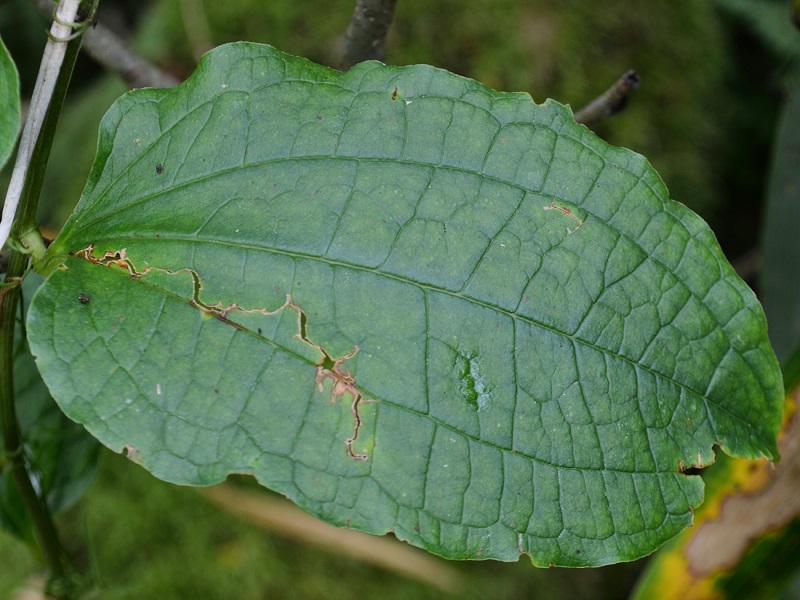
(780, 276)
(568, 50)
(683, 118)
(769, 20)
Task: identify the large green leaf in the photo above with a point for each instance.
(9, 101)
(407, 302)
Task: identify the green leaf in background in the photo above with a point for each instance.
(769, 20)
(780, 275)
(407, 302)
(9, 101)
(62, 457)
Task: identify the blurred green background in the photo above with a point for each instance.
(713, 78)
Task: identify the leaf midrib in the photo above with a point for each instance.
(429, 287)
(282, 348)
(120, 208)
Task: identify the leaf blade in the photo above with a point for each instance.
(482, 287)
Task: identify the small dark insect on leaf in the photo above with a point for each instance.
(83, 298)
(159, 168)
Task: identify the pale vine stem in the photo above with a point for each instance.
(365, 38)
(109, 50)
(52, 59)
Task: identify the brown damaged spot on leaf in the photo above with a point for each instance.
(768, 501)
(564, 210)
(343, 382)
(120, 259)
(132, 453)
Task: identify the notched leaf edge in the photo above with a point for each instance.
(342, 381)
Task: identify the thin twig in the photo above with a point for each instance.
(610, 102)
(104, 46)
(108, 49)
(365, 38)
(52, 59)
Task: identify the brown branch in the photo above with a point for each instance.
(106, 48)
(110, 51)
(365, 38)
(610, 102)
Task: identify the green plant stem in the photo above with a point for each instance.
(25, 232)
(12, 439)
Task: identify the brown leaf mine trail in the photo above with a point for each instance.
(567, 212)
(342, 381)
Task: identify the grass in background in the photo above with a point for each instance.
(142, 538)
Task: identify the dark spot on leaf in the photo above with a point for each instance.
(319, 117)
(416, 528)
(394, 94)
(577, 551)
(159, 168)
(216, 391)
(83, 298)
(259, 331)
